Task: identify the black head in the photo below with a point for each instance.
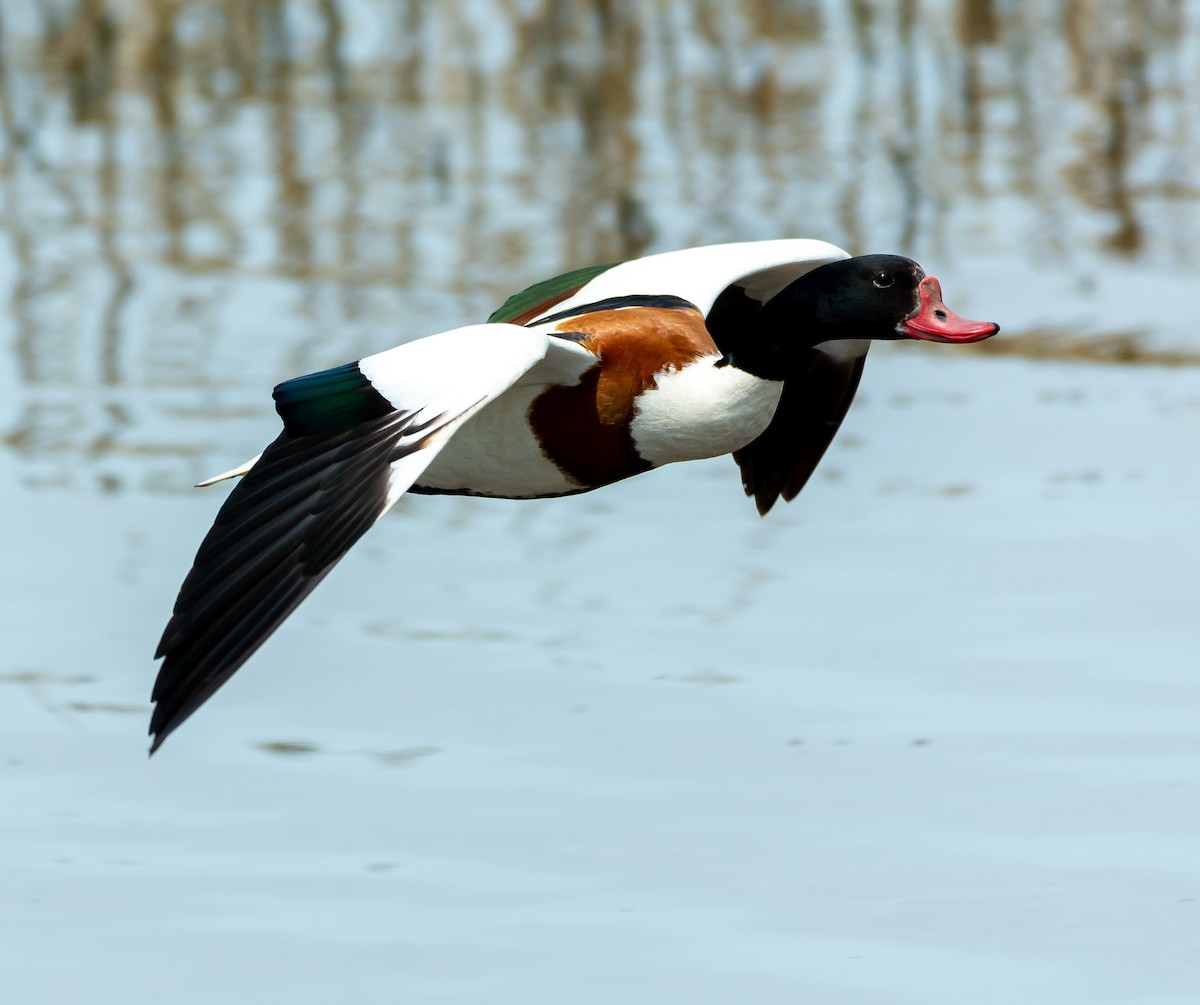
(869, 297)
(865, 297)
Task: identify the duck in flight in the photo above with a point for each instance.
(753, 349)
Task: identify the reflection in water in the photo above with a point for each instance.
(201, 198)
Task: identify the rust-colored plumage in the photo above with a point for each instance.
(585, 429)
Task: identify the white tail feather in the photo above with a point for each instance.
(237, 472)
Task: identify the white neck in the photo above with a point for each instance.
(702, 410)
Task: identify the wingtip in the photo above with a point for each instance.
(763, 499)
(159, 729)
(163, 722)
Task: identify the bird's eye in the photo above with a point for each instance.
(883, 280)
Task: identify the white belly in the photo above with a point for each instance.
(495, 454)
(702, 411)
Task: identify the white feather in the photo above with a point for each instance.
(237, 472)
(496, 454)
(699, 275)
(447, 378)
(702, 410)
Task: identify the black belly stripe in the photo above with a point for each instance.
(426, 490)
(571, 435)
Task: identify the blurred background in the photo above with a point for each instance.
(926, 735)
(199, 198)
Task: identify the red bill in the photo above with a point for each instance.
(933, 321)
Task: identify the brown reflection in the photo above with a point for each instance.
(15, 227)
(978, 26)
(200, 196)
(1024, 79)
(861, 123)
(1125, 101)
(108, 227)
(161, 58)
(1078, 21)
(797, 20)
(1109, 58)
(904, 152)
(348, 115)
(86, 48)
(293, 193)
(577, 66)
(978, 23)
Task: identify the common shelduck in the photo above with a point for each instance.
(753, 349)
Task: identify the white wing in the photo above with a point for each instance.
(700, 275)
(458, 372)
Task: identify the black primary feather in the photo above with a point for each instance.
(811, 408)
(312, 494)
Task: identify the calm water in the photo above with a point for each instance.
(926, 735)
(199, 199)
